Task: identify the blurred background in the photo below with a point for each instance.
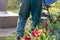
(13, 5)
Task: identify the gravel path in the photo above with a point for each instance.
(7, 31)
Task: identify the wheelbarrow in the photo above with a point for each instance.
(47, 4)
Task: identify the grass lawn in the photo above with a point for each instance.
(8, 38)
(13, 10)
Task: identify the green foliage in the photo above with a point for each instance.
(8, 38)
(13, 5)
(58, 4)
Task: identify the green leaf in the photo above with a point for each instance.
(44, 36)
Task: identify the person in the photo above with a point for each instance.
(26, 7)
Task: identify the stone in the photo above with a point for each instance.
(5, 32)
(3, 5)
(8, 19)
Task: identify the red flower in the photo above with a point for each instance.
(35, 32)
(45, 25)
(43, 32)
(51, 29)
(27, 38)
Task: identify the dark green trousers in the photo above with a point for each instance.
(27, 6)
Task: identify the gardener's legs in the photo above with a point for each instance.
(36, 7)
(23, 16)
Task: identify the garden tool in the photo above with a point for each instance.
(47, 4)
